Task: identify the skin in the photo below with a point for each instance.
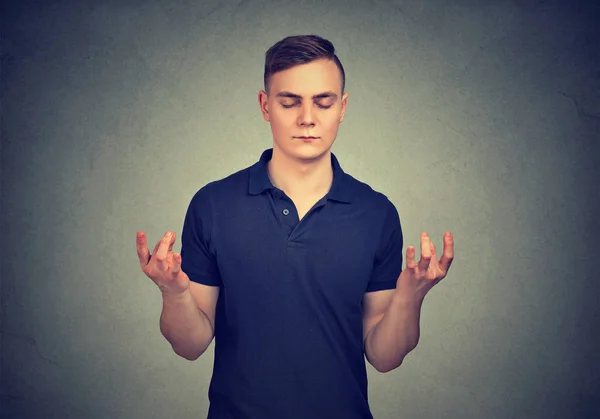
(303, 169)
(419, 277)
(163, 266)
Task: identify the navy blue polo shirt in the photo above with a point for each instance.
(288, 324)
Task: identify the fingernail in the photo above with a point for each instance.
(169, 235)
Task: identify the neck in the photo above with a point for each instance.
(300, 177)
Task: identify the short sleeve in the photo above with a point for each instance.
(197, 259)
(388, 258)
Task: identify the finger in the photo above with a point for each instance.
(172, 242)
(156, 247)
(425, 253)
(163, 250)
(176, 264)
(142, 249)
(410, 258)
(436, 274)
(448, 255)
(433, 260)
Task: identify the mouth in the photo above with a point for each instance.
(307, 138)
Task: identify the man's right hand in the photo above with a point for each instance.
(163, 266)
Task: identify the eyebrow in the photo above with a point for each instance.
(323, 95)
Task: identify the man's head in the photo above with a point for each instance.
(304, 95)
(298, 50)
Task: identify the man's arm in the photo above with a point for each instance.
(187, 320)
(391, 318)
(391, 328)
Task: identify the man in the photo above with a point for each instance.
(292, 265)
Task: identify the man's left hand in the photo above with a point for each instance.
(418, 278)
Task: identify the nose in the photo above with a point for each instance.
(305, 118)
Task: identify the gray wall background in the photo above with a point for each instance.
(477, 117)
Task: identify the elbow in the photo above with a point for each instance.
(190, 350)
(187, 350)
(383, 368)
(189, 355)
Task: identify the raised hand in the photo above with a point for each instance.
(163, 266)
(418, 278)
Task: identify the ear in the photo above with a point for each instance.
(344, 104)
(263, 103)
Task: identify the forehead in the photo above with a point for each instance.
(308, 79)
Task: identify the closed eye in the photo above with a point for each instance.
(318, 105)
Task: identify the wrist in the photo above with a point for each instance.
(174, 296)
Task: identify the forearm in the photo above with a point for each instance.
(396, 334)
(187, 328)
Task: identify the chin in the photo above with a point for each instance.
(307, 151)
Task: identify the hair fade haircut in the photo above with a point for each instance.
(296, 50)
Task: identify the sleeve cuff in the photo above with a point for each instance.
(380, 286)
(204, 280)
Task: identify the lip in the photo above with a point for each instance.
(307, 138)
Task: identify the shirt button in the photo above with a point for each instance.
(286, 211)
(278, 194)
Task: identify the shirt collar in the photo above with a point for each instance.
(260, 182)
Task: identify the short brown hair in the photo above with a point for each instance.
(299, 49)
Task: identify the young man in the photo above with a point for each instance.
(292, 265)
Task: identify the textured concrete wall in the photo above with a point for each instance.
(477, 117)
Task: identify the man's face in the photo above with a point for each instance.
(305, 101)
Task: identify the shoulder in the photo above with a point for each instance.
(373, 199)
(226, 187)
